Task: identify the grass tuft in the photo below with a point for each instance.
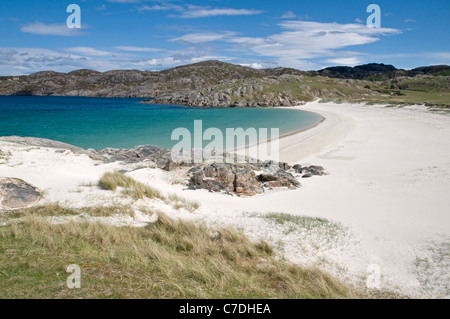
(112, 180)
(137, 190)
(166, 259)
(180, 202)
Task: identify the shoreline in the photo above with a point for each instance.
(304, 129)
(315, 137)
(387, 185)
(282, 136)
(161, 137)
(388, 172)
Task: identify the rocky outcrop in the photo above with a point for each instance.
(16, 193)
(243, 176)
(309, 171)
(247, 179)
(252, 92)
(229, 178)
(279, 179)
(42, 142)
(153, 155)
(224, 99)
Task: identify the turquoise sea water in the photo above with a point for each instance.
(125, 123)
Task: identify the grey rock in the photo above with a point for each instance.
(269, 167)
(41, 142)
(240, 179)
(309, 171)
(284, 166)
(237, 177)
(267, 178)
(16, 193)
(223, 177)
(160, 157)
(245, 181)
(279, 179)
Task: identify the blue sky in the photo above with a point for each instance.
(155, 35)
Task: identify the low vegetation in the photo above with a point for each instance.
(166, 259)
(306, 222)
(327, 228)
(219, 84)
(311, 234)
(180, 202)
(4, 156)
(430, 90)
(55, 210)
(113, 180)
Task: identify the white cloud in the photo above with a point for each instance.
(203, 37)
(303, 40)
(191, 11)
(351, 61)
(288, 15)
(28, 60)
(157, 7)
(138, 49)
(40, 28)
(253, 65)
(16, 61)
(358, 20)
(205, 12)
(440, 55)
(292, 15)
(88, 51)
(297, 45)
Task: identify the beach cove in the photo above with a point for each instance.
(385, 193)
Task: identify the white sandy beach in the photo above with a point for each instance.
(388, 182)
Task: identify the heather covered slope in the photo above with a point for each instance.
(219, 84)
(126, 83)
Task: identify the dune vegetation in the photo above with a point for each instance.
(166, 259)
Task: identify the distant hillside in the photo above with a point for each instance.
(220, 84)
(381, 71)
(361, 72)
(125, 83)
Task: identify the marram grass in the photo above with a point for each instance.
(113, 180)
(167, 259)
